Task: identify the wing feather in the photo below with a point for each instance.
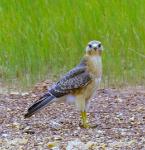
(76, 78)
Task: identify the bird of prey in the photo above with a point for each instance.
(78, 84)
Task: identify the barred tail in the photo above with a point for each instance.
(38, 105)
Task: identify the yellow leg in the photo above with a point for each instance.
(84, 119)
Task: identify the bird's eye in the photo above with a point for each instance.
(99, 45)
(90, 45)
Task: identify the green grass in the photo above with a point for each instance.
(41, 38)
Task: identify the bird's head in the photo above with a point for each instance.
(94, 48)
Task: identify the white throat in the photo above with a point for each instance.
(97, 65)
(97, 62)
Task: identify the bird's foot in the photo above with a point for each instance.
(87, 126)
(85, 121)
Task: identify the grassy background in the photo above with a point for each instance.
(40, 38)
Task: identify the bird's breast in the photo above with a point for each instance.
(95, 66)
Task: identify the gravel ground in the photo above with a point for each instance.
(119, 116)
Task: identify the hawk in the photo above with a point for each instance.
(78, 84)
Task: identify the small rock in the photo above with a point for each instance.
(100, 132)
(28, 130)
(16, 125)
(57, 137)
(78, 128)
(103, 146)
(55, 125)
(75, 133)
(33, 95)
(119, 115)
(13, 93)
(23, 141)
(8, 109)
(17, 141)
(1, 141)
(20, 148)
(25, 94)
(119, 100)
(91, 145)
(132, 119)
(4, 135)
(97, 135)
(76, 145)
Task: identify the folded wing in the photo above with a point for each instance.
(75, 79)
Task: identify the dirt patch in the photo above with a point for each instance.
(118, 114)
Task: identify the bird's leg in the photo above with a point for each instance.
(84, 119)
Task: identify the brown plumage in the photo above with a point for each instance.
(78, 84)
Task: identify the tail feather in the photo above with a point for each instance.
(38, 105)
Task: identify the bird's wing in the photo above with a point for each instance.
(75, 79)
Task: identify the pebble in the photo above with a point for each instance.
(28, 130)
(4, 135)
(25, 94)
(13, 93)
(16, 125)
(17, 141)
(91, 145)
(76, 145)
(55, 125)
(57, 137)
